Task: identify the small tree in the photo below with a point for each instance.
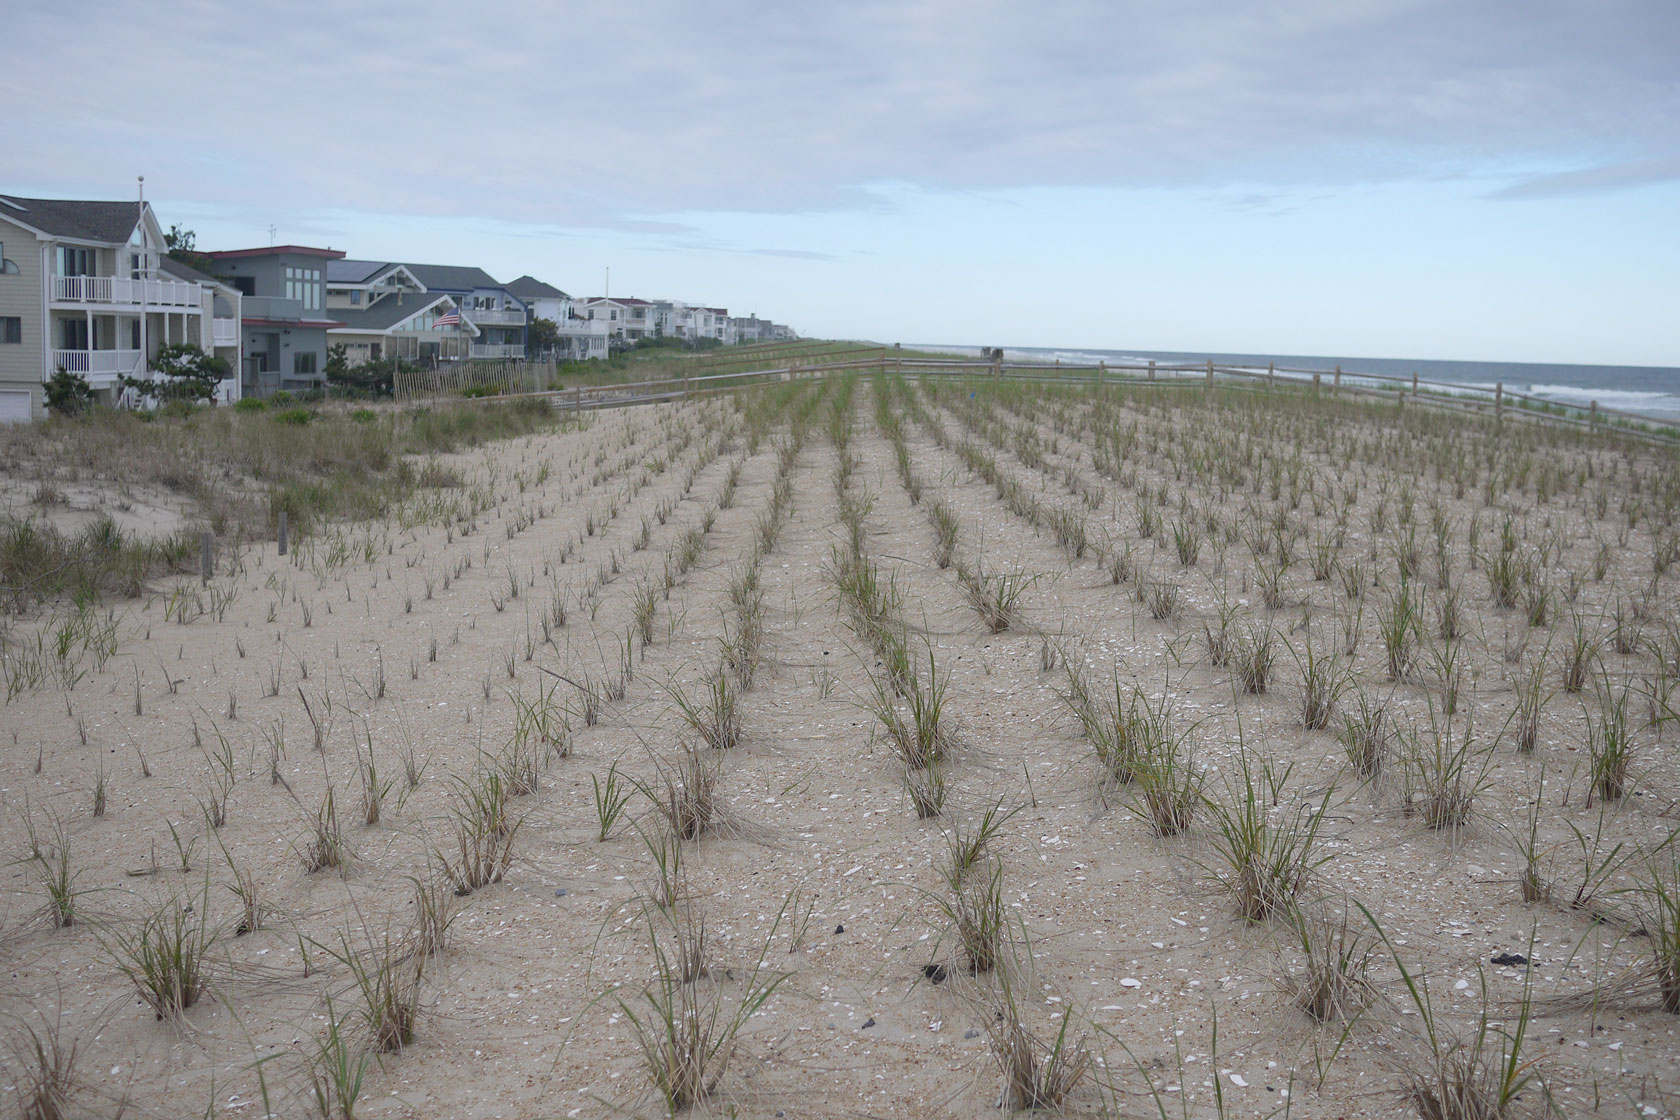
(69, 394)
(543, 337)
(184, 372)
(182, 245)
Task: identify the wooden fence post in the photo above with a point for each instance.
(282, 533)
(1152, 369)
(1316, 379)
(1101, 365)
(1498, 398)
(1210, 373)
(577, 399)
(1271, 373)
(1337, 387)
(207, 543)
(1592, 414)
(1414, 383)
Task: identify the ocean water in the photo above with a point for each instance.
(1648, 390)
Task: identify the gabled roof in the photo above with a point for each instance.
(622, 301)
(110, 222)
(387, 313)
(355, 272)
(182, 271)
(529, 287)
(452, 277)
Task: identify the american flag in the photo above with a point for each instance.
(450, 318)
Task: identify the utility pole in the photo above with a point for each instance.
(145, 358)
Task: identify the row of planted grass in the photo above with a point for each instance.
(236, 470)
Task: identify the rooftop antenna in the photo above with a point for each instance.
(272, 230)
(142, 190)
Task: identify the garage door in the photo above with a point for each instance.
(14, 406)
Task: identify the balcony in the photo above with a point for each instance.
(224, 332)
(484, 317)
(122, 291)
(584, 328)
(273, 308)
(485, 350)
(98, 363)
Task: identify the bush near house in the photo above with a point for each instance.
(183, 372)
(69, 394)
(369, 380)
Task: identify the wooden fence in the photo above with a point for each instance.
(473, 378)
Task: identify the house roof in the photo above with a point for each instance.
(529, 287)
(388, 312)
(355, 272)
(452, 277)
(276, 250)
(85, 221)
(622, 301)
(183, 271)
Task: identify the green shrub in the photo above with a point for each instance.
(297, 416)
(250, 404)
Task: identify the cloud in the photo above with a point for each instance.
(553, 116)
(1596, 180)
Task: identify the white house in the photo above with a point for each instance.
(84, 287)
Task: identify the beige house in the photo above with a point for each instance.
(86, 286)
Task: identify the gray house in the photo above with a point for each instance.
(284, 320)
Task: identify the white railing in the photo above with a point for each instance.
(123, 290)
(97, 362)
(586, 328)
(224, 332)
(484, 350)
(486, 317)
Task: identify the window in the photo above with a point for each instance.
(72, 334)
(7, 268)
(247, 285)
(11, 330)
(74, 262)
(355, 297)
(303, 362)
(304, 285)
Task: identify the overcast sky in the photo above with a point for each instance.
(1406, 178)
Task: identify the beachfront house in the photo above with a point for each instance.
(496, 314)
(386, 312)
(579, 338)
(627, 319)
(83, 288)
(283, 314)
(751, 328)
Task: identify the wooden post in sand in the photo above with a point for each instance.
(1414, 383)
(1498, 399)
(1101, 365)
(1592, 414)
(282, 533)
(207, 544)
(1316, 377)
(1337, 387)
(1152, 369)
(1271, 374)
(577, 399)
(1210, 373)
